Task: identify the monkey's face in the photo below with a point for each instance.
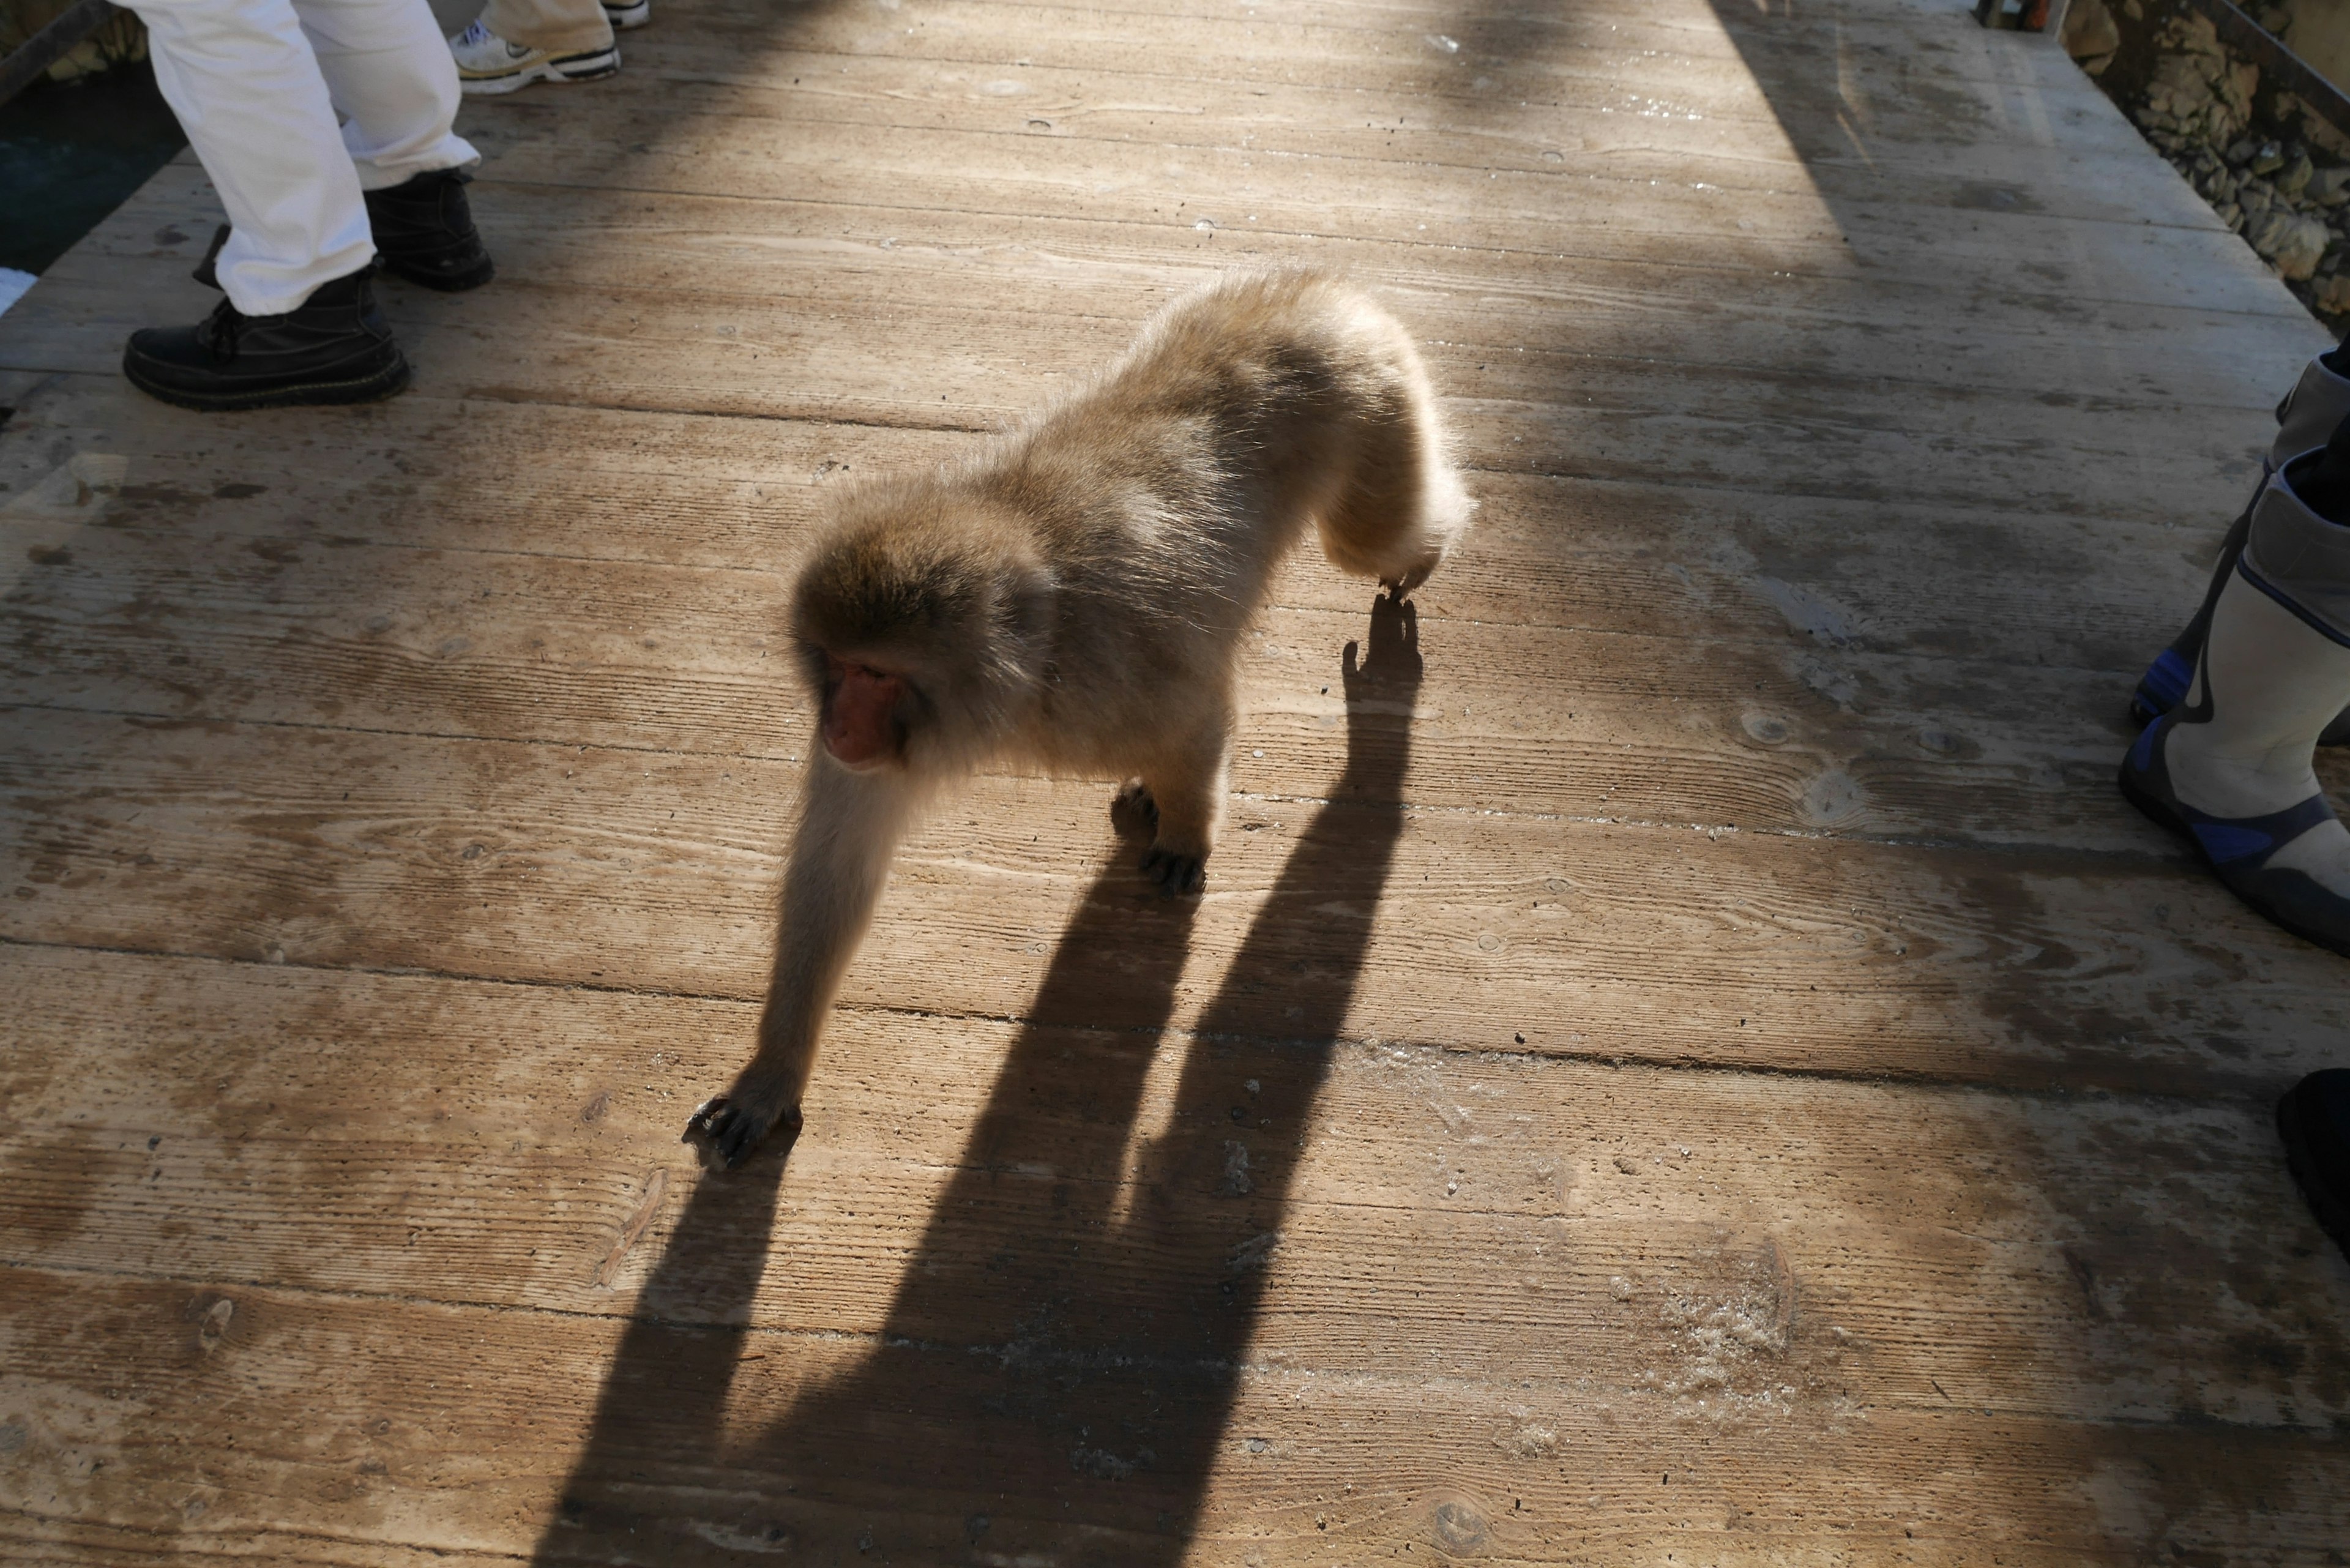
(865, 715)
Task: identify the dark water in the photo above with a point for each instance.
(72, 153)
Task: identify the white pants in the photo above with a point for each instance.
(257, 85)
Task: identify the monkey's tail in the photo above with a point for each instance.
(1402, 507)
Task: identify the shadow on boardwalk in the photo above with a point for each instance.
(1058, 1369)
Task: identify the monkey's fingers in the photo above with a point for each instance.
(723, 1134)
(1177, 875)
(1402, 585)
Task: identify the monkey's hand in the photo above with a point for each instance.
(1177, 875)
(724, 1133)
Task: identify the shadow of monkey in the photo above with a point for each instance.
(1060, 1366)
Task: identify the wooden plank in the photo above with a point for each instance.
(1545, 412)
(1589, 131)
(29, 1538)
(1632, 555)
(906, 1448)
(1789, 736)
(296, 626)
(1431, 1211)
(245, 598)
(560, 864)
(1674, 231)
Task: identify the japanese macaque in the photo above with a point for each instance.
(1074, 598)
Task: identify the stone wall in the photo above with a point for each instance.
(121, 40)
(2272, 169)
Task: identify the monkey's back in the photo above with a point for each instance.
(1085, 581)
(1165, 494)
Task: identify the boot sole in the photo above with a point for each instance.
(373, 388)
(588, 68)
(2158, 812)
(453, 283)
(627, 18)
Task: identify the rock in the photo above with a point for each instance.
(2333, 296)
(2230, 214)
(2293, 241)
(2242, 152)
(2330, 187)
(2254, 197)
(2294, 177)
(2191, 33)
(2090, 30)
(2315, 128)
(2182, 81)
(2242, 82)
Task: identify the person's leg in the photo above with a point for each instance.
(560, 26)
(517, 42)
(2318, 402)
(299, 324)
(248, 89)
(2229, 766)
(390, 73)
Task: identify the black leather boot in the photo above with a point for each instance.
(333, 347)
(424, 232)
(2314, 1120)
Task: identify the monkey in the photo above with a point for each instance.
(1073, 599)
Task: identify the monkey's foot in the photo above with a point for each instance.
(1132, 809)
(1401, 586)
(723, 1134)
(1135, 811)
(1175, 873)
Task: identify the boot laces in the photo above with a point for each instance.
(219, 331)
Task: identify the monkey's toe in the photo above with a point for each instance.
(1177, 875)
(723, 1134)
(1133, 809)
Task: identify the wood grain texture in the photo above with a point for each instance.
(1712, 1074)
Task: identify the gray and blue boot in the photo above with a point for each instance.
(2228, 768)
(2318, 402)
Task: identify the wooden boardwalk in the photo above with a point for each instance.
(1698, 1067)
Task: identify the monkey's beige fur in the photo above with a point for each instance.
(1074, 597)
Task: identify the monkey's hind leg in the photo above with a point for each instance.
(1181, 795)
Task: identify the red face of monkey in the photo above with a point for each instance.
(861, 725)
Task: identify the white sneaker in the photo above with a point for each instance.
(488, 64)
(626, 14)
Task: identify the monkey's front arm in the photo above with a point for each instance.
(848, 829)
